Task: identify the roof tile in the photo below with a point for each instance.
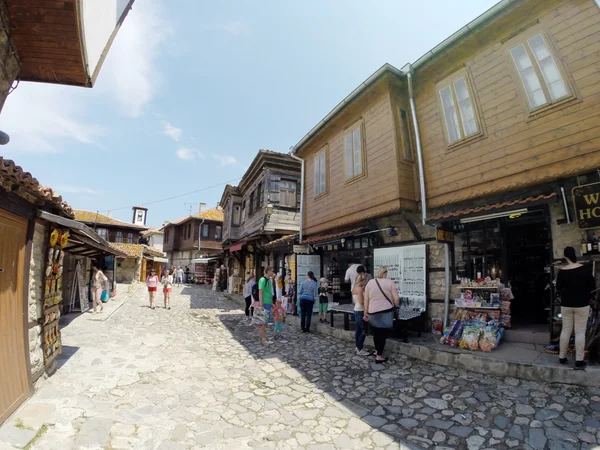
(92, 217)
(215, 214)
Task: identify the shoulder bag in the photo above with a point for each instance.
(394, 307)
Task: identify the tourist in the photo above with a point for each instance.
(381, 296)
(351, 274)
(99, 281)
(323, 300)
(279, 315)
(187, 275)
(359, 312)
(307, 293)
(361, 269)
(167, 282)
(179, 275)
(575, 284)
(248, 296)
(152, 283)
(265, 299)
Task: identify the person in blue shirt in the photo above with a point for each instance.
(307, 294)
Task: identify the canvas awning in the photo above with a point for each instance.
(237, 246)
(83, 240)
(203, 260)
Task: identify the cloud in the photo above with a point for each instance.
(188, 154)
(131, 72)
(70, 189)
(234, 27)
(172, 131)
(225, 160)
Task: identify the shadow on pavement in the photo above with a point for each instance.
(66, 354)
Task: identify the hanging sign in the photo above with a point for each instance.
(444, 237)
(301, 249)
(586, 199)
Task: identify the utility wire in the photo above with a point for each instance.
(175, 196)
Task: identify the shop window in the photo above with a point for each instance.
(539, 72)
(320, 180)
(287, 193)
(405, 135)
(103, 233)
(130, 238)
(458, 108)
(235, 217)
(218, 232)
(205, 230)
(354, 152)
(478, 250)
(119, 237)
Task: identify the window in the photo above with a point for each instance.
(320, 162)
(103, 233)
(140, 216)
(287, 193)
(119, 237)
(130, 238)
(354, 153)
(218, 232)
(405, 135)
(251, 205)
(539, 72)
(260, 197)
(235, 217)
(205, 230)
(459, 112)
(167, 233)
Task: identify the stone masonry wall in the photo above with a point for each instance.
(36, 299)
(129, 270)
(563, 235)
(9, 65)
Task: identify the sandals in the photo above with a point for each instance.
(381, 361)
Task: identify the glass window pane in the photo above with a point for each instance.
(349, 160)
(532, 84)
(316, 175)
(450, 114)
(357, 151)
(405, 135)
(323, 178)
(465, 107)
(548, 67)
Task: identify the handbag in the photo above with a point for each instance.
(395, 309)
(104, 297)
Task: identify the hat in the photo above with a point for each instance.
(323, 280)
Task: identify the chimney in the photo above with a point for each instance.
(202, 207)
(109, 213)
(219, 206)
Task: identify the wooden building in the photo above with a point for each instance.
(194, 237)
(263, 207)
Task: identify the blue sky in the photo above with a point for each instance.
(188, 95)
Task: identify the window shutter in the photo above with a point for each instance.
(349, 160)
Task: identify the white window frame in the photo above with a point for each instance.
(320, 173)
(459, 109)
(354, 153)
(103, 233)
(541, 77)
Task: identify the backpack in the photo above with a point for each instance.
(255, 290)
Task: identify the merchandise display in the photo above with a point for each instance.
(474, 330)
(333, 278)
(53, 294)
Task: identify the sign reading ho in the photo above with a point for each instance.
(586, 199)
(301, 249)
(444, 237)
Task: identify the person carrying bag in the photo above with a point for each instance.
(380, 300)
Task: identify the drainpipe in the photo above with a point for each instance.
(408, 71)
(297, 158)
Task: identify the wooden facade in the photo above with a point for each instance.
(387, 184)
(185, 235)
(516, 145)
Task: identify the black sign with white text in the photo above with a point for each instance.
(586, 199)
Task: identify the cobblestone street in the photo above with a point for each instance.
(195, 377)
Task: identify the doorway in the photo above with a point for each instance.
(13, 348)
(529, 253)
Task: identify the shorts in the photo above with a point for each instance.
(151, 289)
(278, 327)
(165, 290)
(323, 307)
(268, 311)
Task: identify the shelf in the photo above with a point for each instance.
(494, 308)
(480, 287)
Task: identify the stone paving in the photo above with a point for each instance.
(195, 377)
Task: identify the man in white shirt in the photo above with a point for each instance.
(351, 274)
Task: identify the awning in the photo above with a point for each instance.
(491, 211)
(237, 246)
(282, 241)
(333, 238)
(203, 260)
(83, 240)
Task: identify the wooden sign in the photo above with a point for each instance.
(301, 249)
(444, 237)
(586, 200)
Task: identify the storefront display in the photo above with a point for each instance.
(474, 330)
(53, 294)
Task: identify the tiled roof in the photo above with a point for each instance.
(282, 240)
(136, 250)
(210, 214)
(31, 189)
(151, 230)
(332, 236)
(92, 217)
(490, 208)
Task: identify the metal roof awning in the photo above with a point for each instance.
(203, 260)
(83, 240)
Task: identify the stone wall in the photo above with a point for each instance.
(129, 270)
(36, 299)
(563, 235)
(9, 64)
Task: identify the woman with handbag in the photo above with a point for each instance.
(98, 282)
(380, 299)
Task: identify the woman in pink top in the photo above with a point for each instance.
(152, 283)
(380, 297)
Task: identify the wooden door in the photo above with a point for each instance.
(143, 271)
(13, 365)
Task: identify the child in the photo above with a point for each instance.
(152, 283)
(248, 297)
(279, 314)
(323, 301)
(167, 282)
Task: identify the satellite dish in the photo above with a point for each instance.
(4, 138)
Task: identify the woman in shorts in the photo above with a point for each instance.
(167, 282)
(152, 283)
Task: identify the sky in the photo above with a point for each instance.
(189, 94)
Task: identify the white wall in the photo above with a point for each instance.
(156, 241)
(100, 18)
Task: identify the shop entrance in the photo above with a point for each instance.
(528, 253)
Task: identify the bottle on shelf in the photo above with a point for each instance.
(594, 243)
(584, 250)
(589, 246)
